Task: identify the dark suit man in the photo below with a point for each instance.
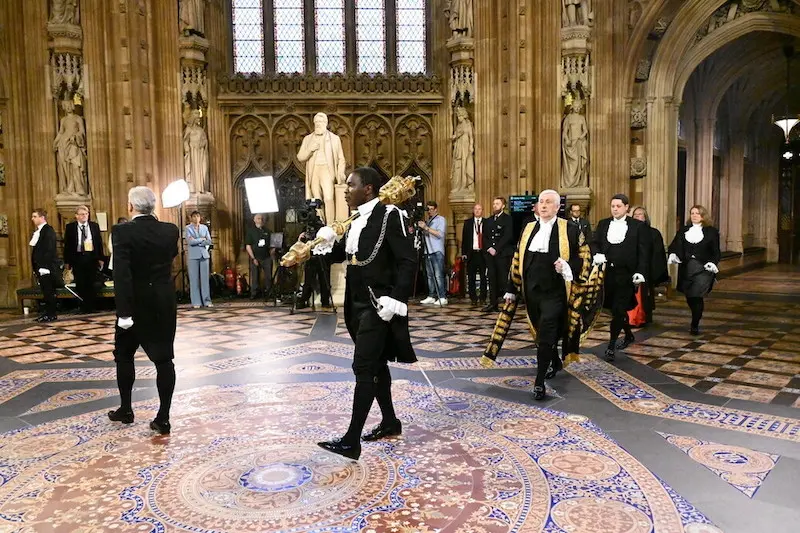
(582, 223)
(624, 243)
(499, 247)
(144, 249)
(472, 252)
(381, 265)
(83, 253)
(45, 263)
(544, 265)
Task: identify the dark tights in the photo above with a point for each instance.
(379, 388)
(165, 383)
(619, 322)
(696, 304)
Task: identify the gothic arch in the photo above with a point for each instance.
(250, 147)
(288, 134)
(414, 143)
(373, 143)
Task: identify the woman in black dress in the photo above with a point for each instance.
(696, 249)
(658, 266)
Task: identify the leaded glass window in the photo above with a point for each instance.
(329, 15)
(290, 56)
(370, 36)
(411, 56)
(248, 36)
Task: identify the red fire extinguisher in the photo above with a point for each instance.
(230, 278)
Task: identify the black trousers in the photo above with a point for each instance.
(498, 268)
(317, 273)
(476, 264)
(85, 272)
(547, 311)
(48, 285)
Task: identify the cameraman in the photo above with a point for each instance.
(317, 270)
(434, 231)
(257, 245)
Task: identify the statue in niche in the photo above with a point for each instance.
(576, 13)
(64, 12)
(322, 153)
(192, 17)
(460, 16)
(70, 148)
(574, 148)
(195, 154)
(463, 172)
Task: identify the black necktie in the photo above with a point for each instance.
(83, 237)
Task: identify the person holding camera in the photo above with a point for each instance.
(434, 231)
(257, 246)
(198, 239)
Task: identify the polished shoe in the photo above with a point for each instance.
(381, 431)
(473, 303)
(351, 451)
(627, 341)
(489, 308)
(160, 427)
(609, 355)
(695, 330)
(42, 318)
(47, 318)
(126, 417)
(538, 392)
(555, 367)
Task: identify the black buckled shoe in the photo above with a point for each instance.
(126, 417)
(555, 367)
(627, 341)
(610, 356)
(694, 330)
(539, 393)
(161, 427)
(381, 431)
(351, 451)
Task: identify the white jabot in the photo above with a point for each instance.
(541, 241)
(695, 233)
(617, 230)
(477, 222)
(36, 233)
(358, 225)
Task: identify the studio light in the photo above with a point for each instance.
(261, 195)
(175, 193)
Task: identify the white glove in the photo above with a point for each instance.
(389, 307)
(43, 271)
(673, 260)
(711, 267)
(566, 270)
(327, 233)
(125, 322)
(599, 259)
(509, 296)
(638, 279)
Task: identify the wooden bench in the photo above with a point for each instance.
(35, 293)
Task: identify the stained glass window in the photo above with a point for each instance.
(411, 55)
(330, 35)
(248, 36)
(370, 36)
(290, 53)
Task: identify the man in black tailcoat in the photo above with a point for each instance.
(499, 247)
(45, 263)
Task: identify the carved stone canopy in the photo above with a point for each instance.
(339, 84)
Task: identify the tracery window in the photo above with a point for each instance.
(330, 36)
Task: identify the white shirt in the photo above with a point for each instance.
(87, 232)
(476, 223)
(541, 241)
(617, 230)
(36, 233)
(694, 234)
(358, 225)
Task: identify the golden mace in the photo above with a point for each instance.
(396, 191)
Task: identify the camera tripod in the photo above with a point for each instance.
(323, 273)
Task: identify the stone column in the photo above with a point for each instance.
(659, 187)
(702, 191)
(735, 193)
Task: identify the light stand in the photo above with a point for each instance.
(174, 195)
(262, 198)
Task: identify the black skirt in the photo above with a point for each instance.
(698, 282)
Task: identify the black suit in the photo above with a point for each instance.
(44, 255)
(500, 236)
(84, 264)
(144, 250)
(694, 281)
(584, 226)
(631, 256)
(475, 256)
(389, 273)
(545, 293)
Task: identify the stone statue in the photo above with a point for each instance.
(195, 154)
(463, 172)
(574, 149)
(576, 13)
(460, 16)
(322, 153)
(70, 148)
(64, 12)
(192, 17)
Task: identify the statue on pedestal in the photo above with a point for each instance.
(322, 153)
(64, 12)
(576, 13)
(195, 154)
(460, 16)
(463, 171)
(574, 149)
(192, 17)
(70, 148)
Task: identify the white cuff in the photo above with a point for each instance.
(327, 233)
(638, 278)
(125, 322)
(599, 259)
(323, 248)
(509, 296)
(673, 260)
(395, 306)
(43, 271)
(711, 267)
(566, 270)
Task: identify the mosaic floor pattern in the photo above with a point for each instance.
(242, 458)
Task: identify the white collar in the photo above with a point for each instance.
(40, 226)
(366, 209)
(139, 215)
(547, 222)
(698, 225)
(624, 218)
